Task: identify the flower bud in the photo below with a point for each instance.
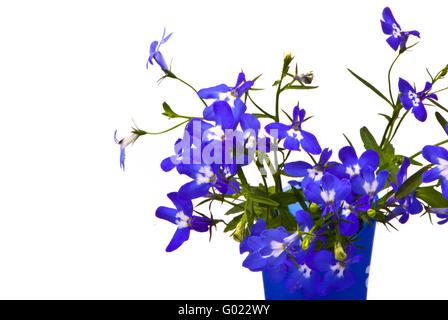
(371, 213)
(306, 243)
(314, 207)
(339, 252)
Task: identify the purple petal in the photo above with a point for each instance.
(297, 168)
(180, 236)
(309, 143)
(213, 92)
(168, 214)
(434, 153)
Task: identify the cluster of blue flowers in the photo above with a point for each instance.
(314, 254)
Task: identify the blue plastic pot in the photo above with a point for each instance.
(277, 291)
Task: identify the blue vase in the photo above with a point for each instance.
(277, 291)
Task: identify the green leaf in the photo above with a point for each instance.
(442, 121)
(371, 87)
(263, 200)
(261, 115)
(168, 111)
(233, 223)
(432, 197)
(368, 139)
(236, 209)
(411, 184)
(287, 115)
(296, 87)
(388, 118)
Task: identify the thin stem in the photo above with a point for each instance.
(258, 107)
(388, 79)
(190, 86)
(418, 153)
(398, 125)
(142, 132)
(440, 90)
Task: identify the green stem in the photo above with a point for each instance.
(190, 86)
(388, 79)
(142, 132)
(398, 125)
(258, 107)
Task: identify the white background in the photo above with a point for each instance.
(74, 226)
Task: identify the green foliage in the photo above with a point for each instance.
(432, 197)
(411, 183)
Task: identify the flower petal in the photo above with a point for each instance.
(180, 236)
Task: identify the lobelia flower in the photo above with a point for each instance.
(349, 225)
(351, 166)
(309, 172)
(368, 184)
(274, 245)
(154, 52)
(251, 129)
(231, 96)
(182, 216)
(410, 99)
(337, 274)
(391, 27)
(329, 193)
(439, 157)
(205, 176)
(123, 144)
(293, 134)
(407, 205)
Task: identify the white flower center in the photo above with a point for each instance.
(215, 133)
(346, 210)
(443, 167)
(305, 271)
(414, 97)
(277, 248)
(396, 32)
(315, 174)
(338, 269)
(294, 133)
(229, 97)
(353, 170)
(328, 195)
(370, 187)
(183, 220)
(204, 175)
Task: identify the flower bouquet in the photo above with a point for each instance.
(304, 224)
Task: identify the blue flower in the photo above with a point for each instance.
(368, 183)
(351, 166)
(293, 134)
(337, 274)
(439, 157)
(329, 193)
(410, 99)
(205, 176)
(154, 52)
(302, 277)
(231, 96)
(182, 216)
(251, 128)
(407, 205)
(271, 249)
(349, 223)
(441, 213)
(123, 144)
(391, 27)
(309, 172)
